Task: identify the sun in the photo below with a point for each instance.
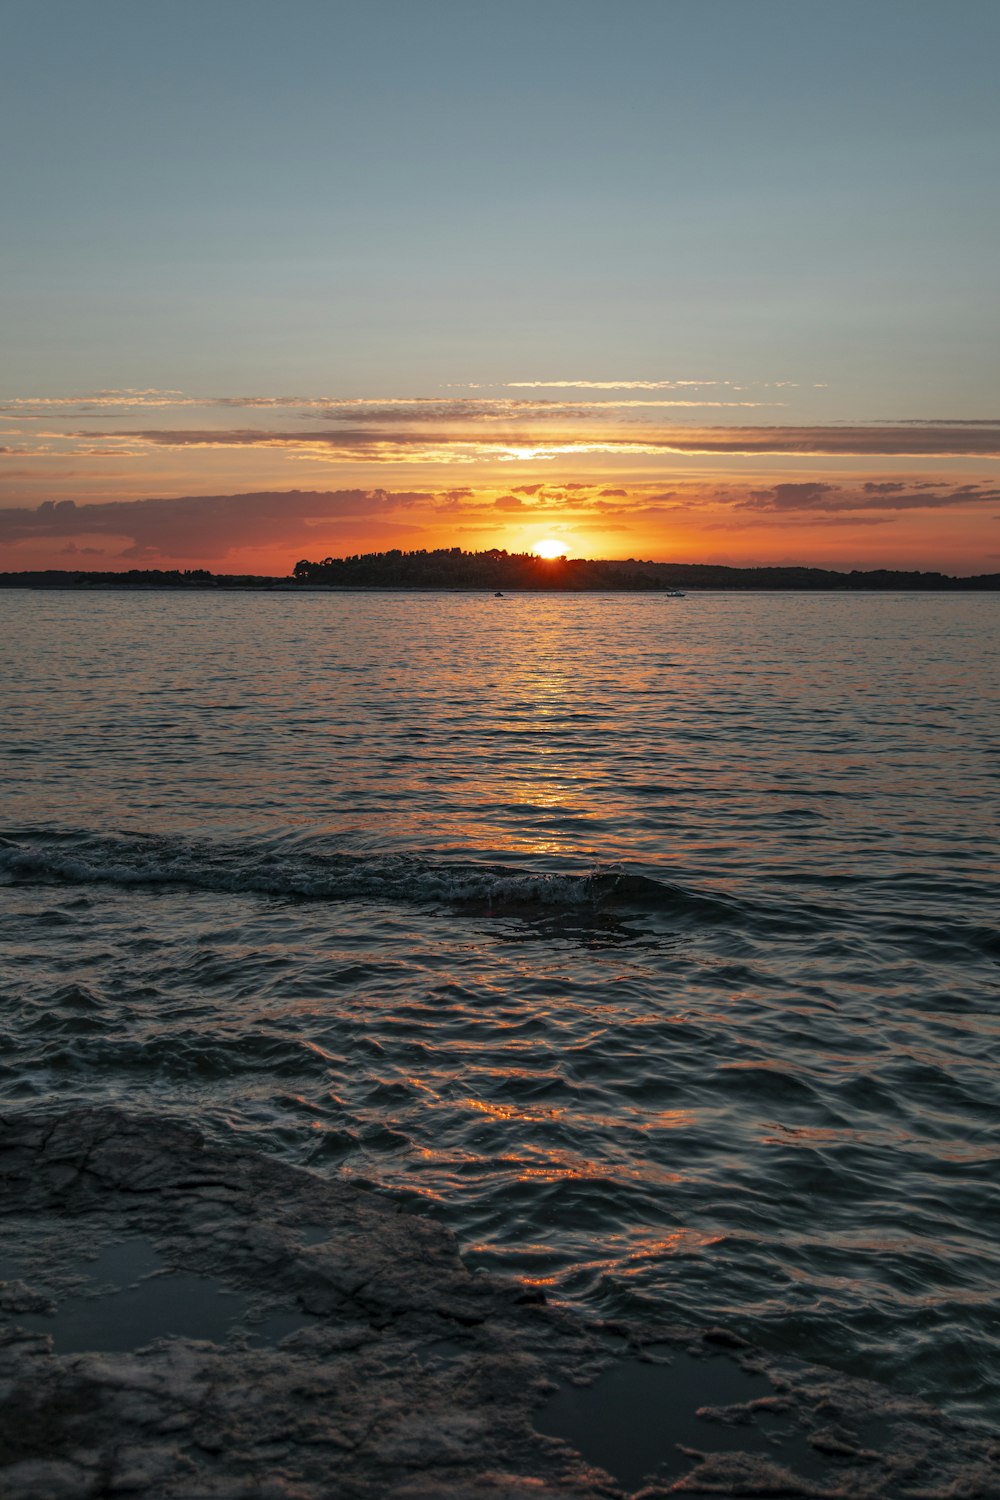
(549, 547)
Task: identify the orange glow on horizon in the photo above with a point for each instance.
(244, 518)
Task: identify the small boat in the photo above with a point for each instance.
(675, 594)
(498, 595)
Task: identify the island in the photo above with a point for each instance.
(496, 570)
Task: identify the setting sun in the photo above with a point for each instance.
(549, 547)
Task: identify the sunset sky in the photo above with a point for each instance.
(705, 280)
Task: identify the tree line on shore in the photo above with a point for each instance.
(450, 567)
(498, 570)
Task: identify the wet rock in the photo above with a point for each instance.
(342, 1348)
(15, 1298)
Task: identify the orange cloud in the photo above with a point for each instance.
(204, 526)
(207, 529)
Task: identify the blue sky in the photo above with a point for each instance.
(408, 199)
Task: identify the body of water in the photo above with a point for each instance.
(652, 944)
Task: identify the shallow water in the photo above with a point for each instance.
(650, 943)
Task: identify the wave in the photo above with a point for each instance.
(150, 860)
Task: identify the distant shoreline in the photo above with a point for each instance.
(579, 577)
(374, 588)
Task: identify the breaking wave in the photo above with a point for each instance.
(140, 860)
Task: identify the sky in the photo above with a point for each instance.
(693, 280)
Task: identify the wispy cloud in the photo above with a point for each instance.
(491, 409)
(610, 385)
(101, 403)
(386, 443)
(645, 385)
(469, 429)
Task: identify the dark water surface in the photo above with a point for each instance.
(650, 943)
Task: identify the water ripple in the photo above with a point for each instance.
(654, 951)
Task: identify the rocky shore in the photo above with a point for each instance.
(189, 1320)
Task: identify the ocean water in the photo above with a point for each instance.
(651, 944)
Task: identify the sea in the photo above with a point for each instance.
(651, 944)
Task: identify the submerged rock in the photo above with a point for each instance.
(182, 1320)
